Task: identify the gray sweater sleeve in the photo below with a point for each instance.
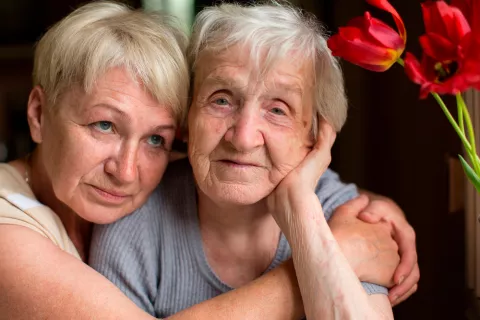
(332, 193)
(125, 252)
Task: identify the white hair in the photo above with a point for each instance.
(279, 30)
(102, 35)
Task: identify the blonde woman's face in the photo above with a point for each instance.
(246, 130)
(105, 151)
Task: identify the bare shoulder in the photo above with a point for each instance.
(42, 281)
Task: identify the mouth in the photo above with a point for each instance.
(110, 196)
(238, 163)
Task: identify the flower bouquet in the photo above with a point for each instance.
(450, 62)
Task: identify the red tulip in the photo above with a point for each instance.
(447, 77)
(445, 28)
(451, 51)
(370, 43)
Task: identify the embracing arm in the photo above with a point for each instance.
(40, 281)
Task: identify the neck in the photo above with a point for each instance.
(240, 242)
(78, 229)
(229, 221)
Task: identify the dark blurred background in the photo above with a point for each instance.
(393, 144)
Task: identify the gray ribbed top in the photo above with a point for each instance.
(155, 255)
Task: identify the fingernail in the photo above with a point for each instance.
(401, 279)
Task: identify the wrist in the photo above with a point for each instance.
(350, 250)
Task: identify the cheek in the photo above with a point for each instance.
(71, 157)
(205, 133)
(151, 172)
(286, 150)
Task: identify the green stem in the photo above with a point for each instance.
(460, 118)
(452, 121)
(400, 62)
(471, 133)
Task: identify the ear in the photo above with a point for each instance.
(35, 113)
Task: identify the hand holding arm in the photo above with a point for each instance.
(385, 211)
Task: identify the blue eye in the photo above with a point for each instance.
(221, 101)
(156, 141)
(278, 111)
(104, 126)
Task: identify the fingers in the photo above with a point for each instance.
(404, 235)
(404, 290)
(326, 135)
(405, 296)
(318, 159)
(369, 216)
(354, 206)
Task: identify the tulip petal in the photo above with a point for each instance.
(380, 32)
(471, 11)
(438, 47)
(385, 35)
(414, 69)
(445, 20)
(386, 6)
(350, 45)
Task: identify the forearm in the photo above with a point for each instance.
(275, 295)
(329, 287)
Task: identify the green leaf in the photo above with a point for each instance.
(470, 173)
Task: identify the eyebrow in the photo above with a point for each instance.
(285, 87)
(108, 106)
(164, 127)
(218, 80)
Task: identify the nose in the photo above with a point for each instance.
(124, 165)
(245, 133)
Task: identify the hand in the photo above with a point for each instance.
(407, 275)
(369, 248)
(298, 186)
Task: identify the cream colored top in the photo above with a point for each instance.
(19, 206)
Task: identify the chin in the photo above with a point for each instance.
(99, 214)
(243, 195)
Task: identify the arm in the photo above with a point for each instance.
(329, 287)
(369, 248)
(371, 237)
(38, 280)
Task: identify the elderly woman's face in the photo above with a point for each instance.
(105, 151)
(247, 131)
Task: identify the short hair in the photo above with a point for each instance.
(98, 36)
(280, 29)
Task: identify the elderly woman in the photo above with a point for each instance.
(263, 78)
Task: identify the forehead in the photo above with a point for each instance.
(237, 66)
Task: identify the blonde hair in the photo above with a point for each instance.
(102, 35)
(280, 29)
